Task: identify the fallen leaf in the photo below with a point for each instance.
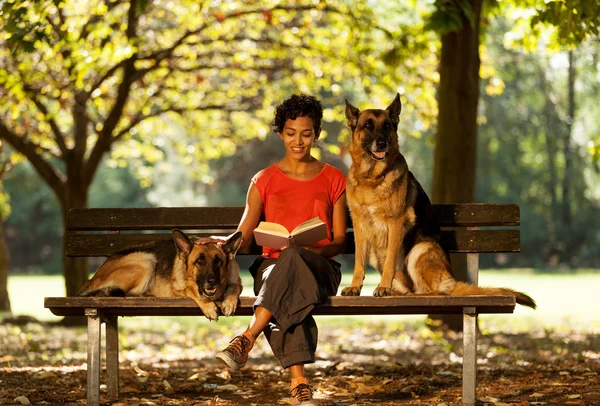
(22, 400)
(139, 371)
(489, 399)
(576, 396)
(197, 377)
(227, 387)
(43, 375)
(129, 389)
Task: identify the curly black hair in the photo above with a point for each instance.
(299, 105)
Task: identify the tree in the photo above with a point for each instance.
(458, 22)
(523, 143)
(5, 165)
(75, 84)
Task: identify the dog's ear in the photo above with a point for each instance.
(394, 109)
(182, 242)
(232, 244)
(351, 115)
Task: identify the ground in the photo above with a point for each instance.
(361, 362)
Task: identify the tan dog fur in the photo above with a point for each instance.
(206, 272)
(394, 227)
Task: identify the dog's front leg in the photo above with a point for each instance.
(360, 258)
(234, 288)
(208, 307)
(230, 301)
(393, 255)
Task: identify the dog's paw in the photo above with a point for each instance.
(228, 306)
(382, 291)
(351, 291)
(210, 310)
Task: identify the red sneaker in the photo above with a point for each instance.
(301, 393)
(235, 355)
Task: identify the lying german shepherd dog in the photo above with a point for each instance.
(202, 270)
(394, 226)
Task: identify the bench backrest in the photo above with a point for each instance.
(467, 227)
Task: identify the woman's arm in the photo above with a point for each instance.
(252, 213)
(340, 228)
(249, 219)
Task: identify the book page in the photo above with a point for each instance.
(267, 239)
(307, 225)
(273, 228)
(310, 235)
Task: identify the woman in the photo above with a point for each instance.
(289, 283)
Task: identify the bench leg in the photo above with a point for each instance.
(112, 357)
(469, 393)
(93, 357)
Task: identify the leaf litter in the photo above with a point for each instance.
(362, 363)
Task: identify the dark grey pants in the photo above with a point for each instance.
(290, 287)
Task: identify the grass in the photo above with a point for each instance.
(564, 300)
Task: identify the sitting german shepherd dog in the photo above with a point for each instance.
(394, 226)
(202, 270)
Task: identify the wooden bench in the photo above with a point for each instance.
(100, 232)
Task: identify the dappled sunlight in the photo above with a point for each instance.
(360, 360)
(552, 352)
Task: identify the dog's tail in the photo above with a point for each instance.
(465, 289)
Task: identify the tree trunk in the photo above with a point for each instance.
(456, 137)
(4, 257)
(75, 268)
(552, 131)
(567, 221)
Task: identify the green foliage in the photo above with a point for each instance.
(6, 163)
(575, 20)
(526, 139)
(24, 23)
(33, 232)
(449, 14)
(215, 69)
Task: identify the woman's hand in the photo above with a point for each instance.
(316, 250)
(218, 239)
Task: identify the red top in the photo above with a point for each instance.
(289, 201)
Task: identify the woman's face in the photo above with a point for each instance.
(298, 137)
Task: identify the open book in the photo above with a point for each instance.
(275, 235)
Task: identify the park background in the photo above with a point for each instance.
(168, 104)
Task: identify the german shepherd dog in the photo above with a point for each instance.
(394, 226)
(202, 270)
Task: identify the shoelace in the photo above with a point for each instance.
(238, 346)
(302, 392)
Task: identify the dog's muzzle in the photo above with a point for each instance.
(210, 287)
(379, 149)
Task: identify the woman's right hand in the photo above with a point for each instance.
(218, 239)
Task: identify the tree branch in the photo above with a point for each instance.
(54, 179)
(105, 138)
(58, 135)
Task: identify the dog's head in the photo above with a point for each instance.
(374, 131)
(208, 263)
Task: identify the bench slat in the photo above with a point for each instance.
(454, 240)
(335, 305)
(204, 218)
